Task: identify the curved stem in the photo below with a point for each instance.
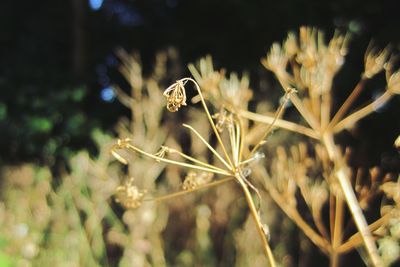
(183, 155)
(210, 120)
(182, 164)
(208, 145)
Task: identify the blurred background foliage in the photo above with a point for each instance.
(58, 58)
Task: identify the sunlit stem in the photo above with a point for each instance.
(238, 143)
(208, 145)
(356, 116)
(184, 192)
(248, 160)
(182, 164)
(278, 114)
(352, 202)
(211, 120)
(287, 125)
(355, 240)
(257, 220)
(183, 155)
(325, 109)
(347, 103)
(304, 112)
(337, 236)
(234, 147)
(294, 215)
(242, 134)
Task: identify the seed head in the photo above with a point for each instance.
(176, 96)
(129, 195)
(375, 60)
(194, 180)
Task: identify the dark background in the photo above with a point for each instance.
(58, 61)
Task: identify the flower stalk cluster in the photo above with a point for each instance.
(234, 160)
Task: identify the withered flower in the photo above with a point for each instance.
(176, 95)
(193, 180)
(129, 195)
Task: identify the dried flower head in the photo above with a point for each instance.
(162, 152)
(129, 195)
(276, 60)
(393, 83)
(375, 61)
(290, 45)
(195, 179)
(222, 118)
(176, 95)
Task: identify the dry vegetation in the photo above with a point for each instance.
(221, 212)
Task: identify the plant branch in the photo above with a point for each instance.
(358, 115)
(210, 120)
(200, 187)
(257, 220)
(348, 102)
(291, 126)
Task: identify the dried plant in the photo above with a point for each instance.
(234, 156)
(309, 64)
(78, 222)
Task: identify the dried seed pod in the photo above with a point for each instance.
(129, 195)
(176, 96)
(194, 180)
(375, 61)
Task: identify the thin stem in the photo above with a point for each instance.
(291, 126)
(208, 145)
(352, 202)
(232, 139)
(242, 134)
(278, 114)
(348, 102)
(180, 193)
(338, 227)
(210, 119)
(304, 112)
(296, 218)
(356, 116)
(257, 220)
(182, 164)
(320, 225)
(238, 143)
(183, 155)
(356, 240)
(337, 230)
(326, 109)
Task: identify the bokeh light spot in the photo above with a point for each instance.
(107, 94)
(95, 4)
